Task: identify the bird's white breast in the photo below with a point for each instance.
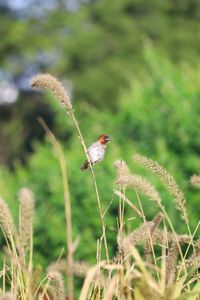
(96, 152)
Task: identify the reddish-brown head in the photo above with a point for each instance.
(103, 139)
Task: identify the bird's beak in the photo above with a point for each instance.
(108, 139)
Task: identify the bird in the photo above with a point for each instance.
(96, 151)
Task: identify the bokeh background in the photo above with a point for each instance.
(132, 69)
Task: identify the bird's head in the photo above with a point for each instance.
(103, 139)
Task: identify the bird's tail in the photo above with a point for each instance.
(85, 166)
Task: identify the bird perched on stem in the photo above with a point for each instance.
(96, 151)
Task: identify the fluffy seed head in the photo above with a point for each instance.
(195, 180)
(79, 269)
(142, 185)
(121, 167)
(59, 285)
(168, 181)
(49, 82)
(171, 263)
(194, 258)
(27, 203)
(138, 236)
(6, 220)
(158, 237)
(148, 248)
(136, 182)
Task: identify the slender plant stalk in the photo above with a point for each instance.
(191, 242)
(175, 237)
(120, 237)
(47, 81)
(40, 285)
(4, 275)
(95, 184)
(69, 237)
(149, 235)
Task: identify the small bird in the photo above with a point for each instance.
(96, 151)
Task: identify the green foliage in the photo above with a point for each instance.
(132, 68)
(158, 116)
(97, 47)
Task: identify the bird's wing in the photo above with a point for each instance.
(95, 153)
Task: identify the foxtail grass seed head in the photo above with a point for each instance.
(6, 220)
(194, 258)
(59, 285)
(138, 236)
(168, 181)
(142, 185)
(195, 181)
(121, 167)
(79, 269)
(27, 203)
(148, 249)
(49, 82)
(171, 263)
(156, 220)
(157, 237)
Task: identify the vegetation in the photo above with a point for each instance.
(166, 271)
(156, 126)
(95, 47)
(131, 70)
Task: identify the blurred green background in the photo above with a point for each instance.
(132, 70)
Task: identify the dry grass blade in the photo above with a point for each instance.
(146, 275)
(122, 196)
(110, 290)
(69, 238)
(91, 275)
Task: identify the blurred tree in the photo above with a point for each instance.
(96, 45)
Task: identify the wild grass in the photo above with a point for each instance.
(152, 261)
